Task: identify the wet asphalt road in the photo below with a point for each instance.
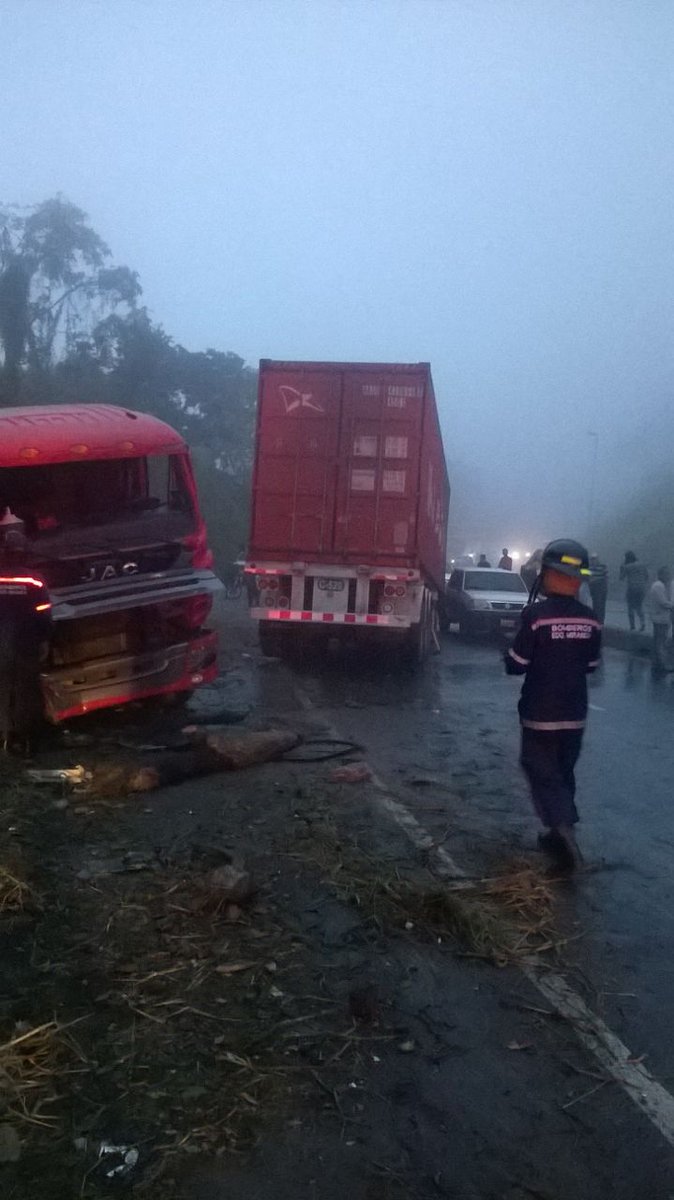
(472, 1120)
(447, 742)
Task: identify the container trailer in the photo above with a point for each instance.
(349, 507)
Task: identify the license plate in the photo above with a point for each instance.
(330, 585)
(507, 622)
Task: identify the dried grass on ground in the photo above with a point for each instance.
(502, 918)
(16, 894)
(30, 1063)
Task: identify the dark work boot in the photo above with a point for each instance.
(551, 842)
(570, 851)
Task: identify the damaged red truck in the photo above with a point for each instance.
(350, 501)
(111, 525)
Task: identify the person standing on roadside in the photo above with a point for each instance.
(660, 606)
(505, 561)
(598, 587)
(635, 574)
(483, 561)
(557, 645)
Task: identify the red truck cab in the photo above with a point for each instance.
(111, 527)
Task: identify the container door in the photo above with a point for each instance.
(379, 457)
(298, 423)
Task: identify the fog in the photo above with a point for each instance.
(483, 185)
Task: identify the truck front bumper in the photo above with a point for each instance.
(117, 679)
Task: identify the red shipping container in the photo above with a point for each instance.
(349, 467)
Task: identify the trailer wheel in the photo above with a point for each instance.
(272, 640)
(419, 638)
(435, 629)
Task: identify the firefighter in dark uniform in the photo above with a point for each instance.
(556, 647)
(25, 626)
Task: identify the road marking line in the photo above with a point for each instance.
(416, 832)
(596, 708)
(648, 1095)
(636, 1081)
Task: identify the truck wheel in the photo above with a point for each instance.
(419, 639)
(435, 629)
(272, 641)
(21, 705)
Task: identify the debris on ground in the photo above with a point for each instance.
(70, 775)
(210, 752)
(226, 885)
(16, 894)
(353, 773)
(29, 1063)
(501, 918)
(235, 752)
(118, 1161)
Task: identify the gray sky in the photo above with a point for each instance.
(484, 184)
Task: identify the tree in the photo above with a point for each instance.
(72, 331)
(209, 396)
(56, 284)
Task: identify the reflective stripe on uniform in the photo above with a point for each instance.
(524, 662)
(591, 621)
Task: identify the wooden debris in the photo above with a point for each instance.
(212, 752)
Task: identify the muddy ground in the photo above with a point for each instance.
(343, 1027)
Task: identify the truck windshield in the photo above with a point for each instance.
(64, 497)
(493, 581)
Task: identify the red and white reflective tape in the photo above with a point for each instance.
(304, 615)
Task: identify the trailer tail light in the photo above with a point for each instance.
(274, 589)
(196, 544)
(389, 590)
(400, 591)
